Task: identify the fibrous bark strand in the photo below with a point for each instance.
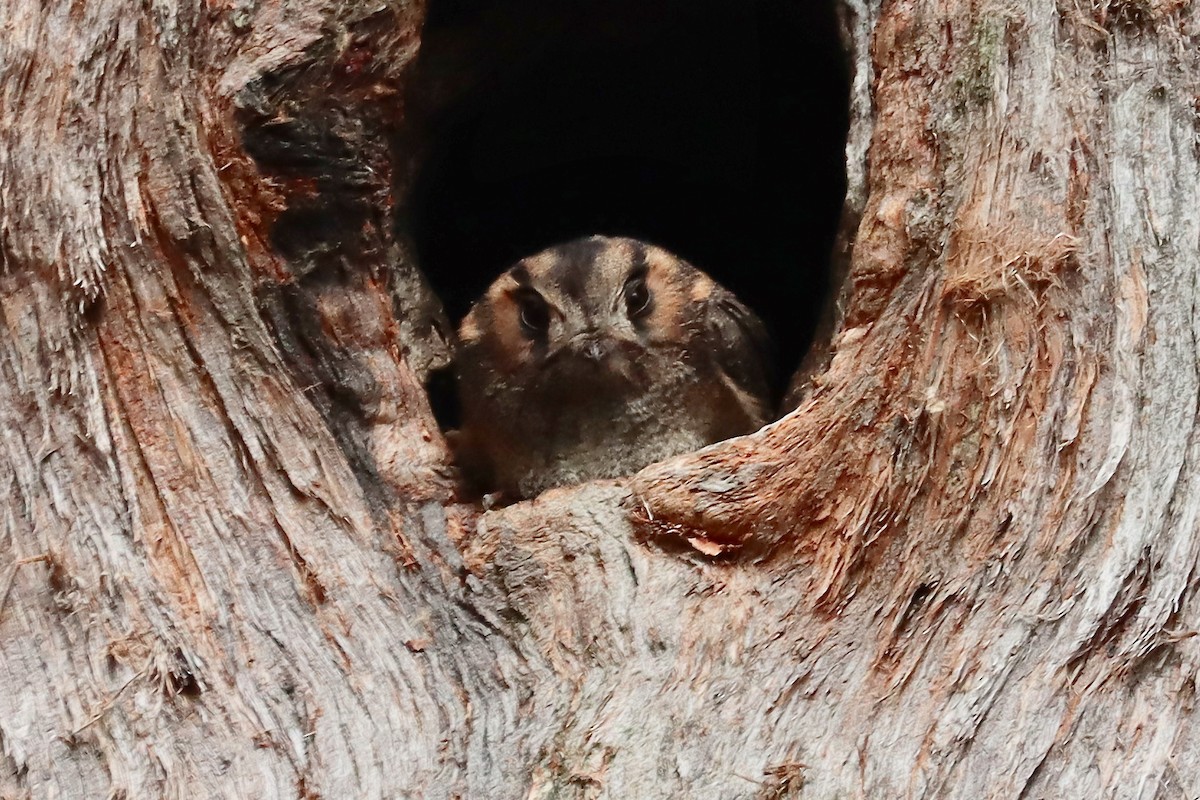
(234, 564)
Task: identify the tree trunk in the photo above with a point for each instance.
(233, 561)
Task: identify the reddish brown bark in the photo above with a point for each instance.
(233, 563)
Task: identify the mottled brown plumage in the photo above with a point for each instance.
(599, 356)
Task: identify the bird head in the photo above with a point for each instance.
(589, 308)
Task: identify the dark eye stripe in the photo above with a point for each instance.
(637, 260)
(520, 274)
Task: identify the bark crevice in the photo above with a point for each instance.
(967, 559)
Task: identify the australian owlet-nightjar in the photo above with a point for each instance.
(597, 357)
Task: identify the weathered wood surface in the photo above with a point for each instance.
(233, 564)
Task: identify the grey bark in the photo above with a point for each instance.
(233, 563)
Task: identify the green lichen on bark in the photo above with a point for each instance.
(972, 83)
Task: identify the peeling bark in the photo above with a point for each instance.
(233, 563)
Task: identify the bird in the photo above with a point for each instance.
(599, 356)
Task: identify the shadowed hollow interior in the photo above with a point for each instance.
(716, 130)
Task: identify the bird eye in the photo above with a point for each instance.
(637, 296)
(535, 314)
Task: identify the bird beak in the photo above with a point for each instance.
(588, 345)
(594, 349)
